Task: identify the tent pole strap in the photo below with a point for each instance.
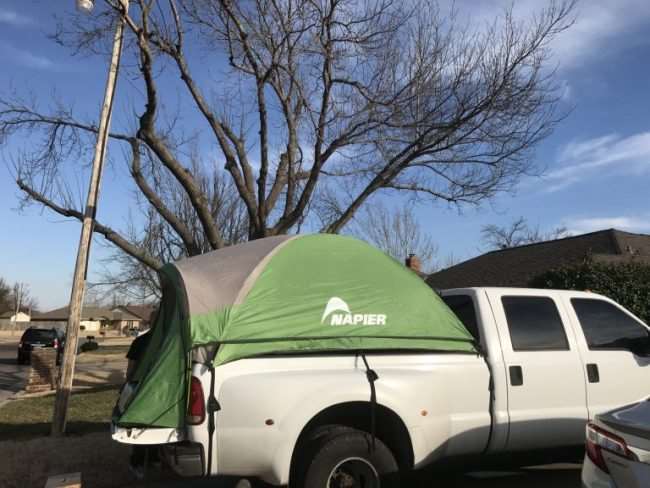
(212, 407)
(371, 376)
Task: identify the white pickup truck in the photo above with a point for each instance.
(551, 360)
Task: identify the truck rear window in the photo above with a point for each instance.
(38, 335)
(463, 307)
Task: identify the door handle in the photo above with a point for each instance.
(516, 375)
(593, 375)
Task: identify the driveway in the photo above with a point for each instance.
(12, 376)
(554, 475)
(90, 370)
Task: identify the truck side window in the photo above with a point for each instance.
(463, 307)
(534, 324)
(606, 326)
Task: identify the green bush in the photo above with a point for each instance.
(89, 346)
(626, 283)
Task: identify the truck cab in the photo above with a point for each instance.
(557, 358)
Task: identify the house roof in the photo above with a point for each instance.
(10, 313)
(143, 312)
(88, 312)
(516, 266)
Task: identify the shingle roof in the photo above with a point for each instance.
(144, 312)
(516, 266)
(88, 313)
(10, 313)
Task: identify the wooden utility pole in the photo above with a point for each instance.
(81, 267)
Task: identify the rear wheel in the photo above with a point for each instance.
(345, 459)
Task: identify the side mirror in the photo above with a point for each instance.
(640, 347)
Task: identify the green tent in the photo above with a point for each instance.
(282, 295)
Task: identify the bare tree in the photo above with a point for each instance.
(5, 296)
(518, 233)
(20, 299)
(128, 279)
(397, 232)
(324, 104)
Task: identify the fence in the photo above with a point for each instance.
(6, 324)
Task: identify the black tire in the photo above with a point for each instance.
(345, 458)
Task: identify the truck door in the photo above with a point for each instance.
(547, 402)
(607, 334)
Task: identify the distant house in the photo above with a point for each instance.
(15, 317)
(144, 314)
(517, 266)
(93, 319)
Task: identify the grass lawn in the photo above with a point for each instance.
(89, 411)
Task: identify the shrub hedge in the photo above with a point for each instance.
(626, 283)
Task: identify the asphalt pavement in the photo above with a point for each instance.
(12, 375)
(554, 475)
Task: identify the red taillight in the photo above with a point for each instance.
(599, 440)
(56, 344)
(196, 406)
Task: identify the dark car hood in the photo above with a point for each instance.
(632, 419)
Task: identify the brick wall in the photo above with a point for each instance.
(43, 374)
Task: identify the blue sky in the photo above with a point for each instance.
(598, 159)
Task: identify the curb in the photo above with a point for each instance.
(21, 395)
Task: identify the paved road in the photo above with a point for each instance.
(555, 476)
(12, 376)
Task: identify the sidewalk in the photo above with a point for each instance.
(10, 335)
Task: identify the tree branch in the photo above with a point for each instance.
(154, 199)
(112, 236)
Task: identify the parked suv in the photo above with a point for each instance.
(34, 338)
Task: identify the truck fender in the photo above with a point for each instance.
(320, 410)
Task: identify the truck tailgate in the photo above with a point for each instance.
(146, 436)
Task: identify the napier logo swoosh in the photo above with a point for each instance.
(339, 313)
(335, 304)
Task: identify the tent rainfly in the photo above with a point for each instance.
(282, 295)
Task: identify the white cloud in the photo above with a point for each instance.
(579, 160)
(26, 58)
(14, 18)
(631, 223)
(599, 25)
